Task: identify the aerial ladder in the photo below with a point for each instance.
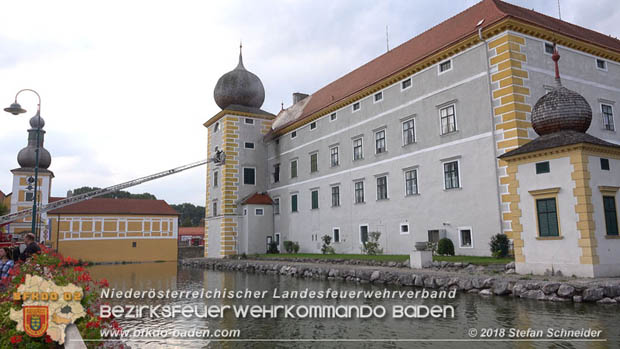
(218, 159)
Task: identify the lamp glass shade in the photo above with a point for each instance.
(15, 109)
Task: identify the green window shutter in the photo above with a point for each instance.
(315, 199)
(294, 203)
(611, 217)
(547, 217)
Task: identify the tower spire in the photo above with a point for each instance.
(240, 65)
(556, 58)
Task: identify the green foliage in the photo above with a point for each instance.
(326, 248)
(445, 247)
(121, 194)
(273, 248)
(499, 245)
(3, 209)
(288, 246)
(371, 247)
(191, 215)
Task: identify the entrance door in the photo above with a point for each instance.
(278, 241)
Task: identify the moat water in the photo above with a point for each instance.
(470, 312)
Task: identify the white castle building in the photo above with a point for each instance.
(408, 144)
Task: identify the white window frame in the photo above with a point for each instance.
(544, 47)
(400, 228)
(415, 131)
(613, 115)
(359, 232)
(245, 211)
(216, 179)
(293, 134)
(384, 130)
(374, 97)
(245, 145)
(334, 235)
(290, 165)
(387, 187)
(458, 167)
(245, 121)
(213, 204)
(417, 176)
(291, 205)
(456, 123)
(243, 174)
(262, 211)
(313, 128)
(278, 239)
(316, 152)
(318, 198)
(471, 235)
(359, 107)
(331, 195)
(403, 81)
(363, 192)
(353, 147)
(337, 147)
(333, 116)
(439, 72)
(596, 59)
(278, 201)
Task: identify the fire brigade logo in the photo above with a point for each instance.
(35, 320)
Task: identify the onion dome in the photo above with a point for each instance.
(26, 157)
(240, 87)
(561, 109)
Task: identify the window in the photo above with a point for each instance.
(248, 145)
(214, 205)
(380, 142)
(215, 178)
(359, 192)
(547, 217)
(134, 244)
(249, 121)
(335, 196)
(276, 206)
(314, 162)
(259, 212)
(245, 211)
(611, 217)
(382, 189)
(378, 97)
(445, 66)
(276, 173)
(249, 175)
(278, 141)
(216, 127)
(363, 233)
(278, 240)
(448, 119)
(358, 153)
(334, 159)
(404, 228)
(294, 203)
(293, 134)
(405, 84)
(356, 106)
(408, 132)
(411, 182)
(465, 237)
(294, 169)
(336, 234)
(542, 167)
(549, 48)
(601, 64)
(315, 199)
(333, 117)
(451, 175)
(605, 164)
(312, 125)
(608, 117)
(29, 196)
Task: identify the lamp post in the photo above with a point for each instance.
(17, 109)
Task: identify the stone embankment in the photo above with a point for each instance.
(484, 281)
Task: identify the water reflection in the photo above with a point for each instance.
(472, 311)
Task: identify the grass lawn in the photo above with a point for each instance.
(392, 257)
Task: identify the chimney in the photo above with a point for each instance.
(298, 96)
(69, 193)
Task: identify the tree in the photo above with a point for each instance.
(191, 215)
(121, 194)
(3, 209)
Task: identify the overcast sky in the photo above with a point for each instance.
(127, 85)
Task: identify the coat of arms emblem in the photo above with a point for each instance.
(35, 320)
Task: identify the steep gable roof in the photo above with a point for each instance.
(117, 206)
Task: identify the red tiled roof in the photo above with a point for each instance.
(194, 231)
(258, 199)
(117, 206)
(434, 40)
(55, 198)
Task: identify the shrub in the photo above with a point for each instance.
(445, 247)
(371, 247)
(326, 248)
(499, 245)
(295, 247)
(273, 248)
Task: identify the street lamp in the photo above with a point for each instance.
(17, 109)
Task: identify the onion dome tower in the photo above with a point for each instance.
(239, 87)
(26, 158)
(561, 109)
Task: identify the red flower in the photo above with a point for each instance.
(78, 269)
(104, 283)
(16, 339)
(48, 339)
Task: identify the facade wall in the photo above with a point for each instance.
(19, 202)
(255, 229)
(120, 250)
